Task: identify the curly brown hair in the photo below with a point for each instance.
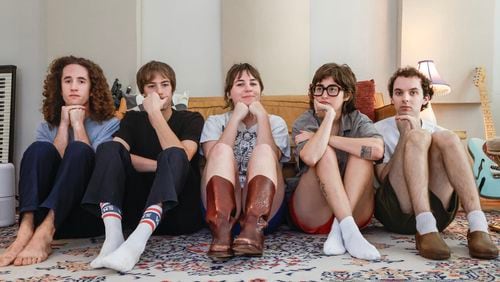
(101, 106)
(236, 71)
(412, 72)
(343, 76)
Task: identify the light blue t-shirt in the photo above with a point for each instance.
(97, 132)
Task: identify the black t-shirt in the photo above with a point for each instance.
(137, 131)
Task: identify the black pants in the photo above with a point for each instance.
(175, 184)
(48, 181)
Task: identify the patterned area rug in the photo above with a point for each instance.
(289, 256)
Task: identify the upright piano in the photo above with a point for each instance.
(7, 106)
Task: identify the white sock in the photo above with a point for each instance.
(334, 244)
(127, 255)
(355, 243)
(477, 221)
(426, 223)
(112, 219)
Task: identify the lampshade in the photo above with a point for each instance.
(428, 68)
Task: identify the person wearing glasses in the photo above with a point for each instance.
(244, 148)
(335, 148)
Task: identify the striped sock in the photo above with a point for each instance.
(128, 254)
(152, 216)
(112, 218)
(107, 210)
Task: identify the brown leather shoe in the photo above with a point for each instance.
(221, 209)
(432, 246)
(259, 200)
(481, 246)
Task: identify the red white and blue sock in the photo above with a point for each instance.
(152, 216)
(128, 254)
(109, 210)
(112, 217)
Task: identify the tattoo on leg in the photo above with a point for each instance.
(322, 187)
(366, 152)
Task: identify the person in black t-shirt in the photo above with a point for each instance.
(149, 169)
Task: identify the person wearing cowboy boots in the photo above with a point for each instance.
(243, 178)
(425, 171)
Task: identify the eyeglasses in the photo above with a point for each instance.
(332, 90)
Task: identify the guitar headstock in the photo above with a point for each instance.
(479, 76)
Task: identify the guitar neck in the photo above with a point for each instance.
(489, 127)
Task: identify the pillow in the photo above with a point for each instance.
(179, 101)
(133, 100)
(365, 97)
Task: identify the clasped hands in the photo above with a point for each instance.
(406, 123)
(256, 109)
(73, 115)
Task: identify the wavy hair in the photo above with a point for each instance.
(343, 76)
(101, 106)
(147, 72)
(425, 83)
(236, 71)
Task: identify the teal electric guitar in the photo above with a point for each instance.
(486, 167)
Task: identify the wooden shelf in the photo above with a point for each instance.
(490, 204)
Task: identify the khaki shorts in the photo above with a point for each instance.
(388, 211)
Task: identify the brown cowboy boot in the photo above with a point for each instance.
(258, 207)
(481, 246)
(221, 208)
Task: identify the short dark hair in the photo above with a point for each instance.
(343, 76)
(425, 83)
(236, 71)
(147, 72)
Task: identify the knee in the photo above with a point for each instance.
(41, 149)
(446, 139)
(174, 155)
(77, 149)
(110, 146)
(419, 138)
(221, 150)
(263, 151)
(329, 156)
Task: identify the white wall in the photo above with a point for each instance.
(23, 44)
(273, 39)
(360, 33)
(103, 31)
(495, 76)
(186, 34)
(459, 36)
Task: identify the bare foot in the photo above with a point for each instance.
(38, 249)
(24, 235)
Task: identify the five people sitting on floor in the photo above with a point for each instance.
(87, 171)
